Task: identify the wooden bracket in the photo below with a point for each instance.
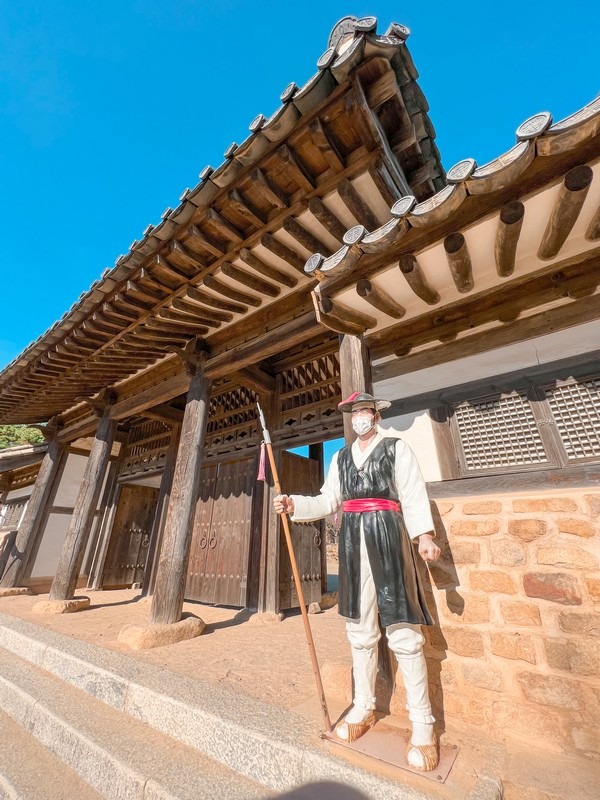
(193, 355)
(107, 397)
(50, 429)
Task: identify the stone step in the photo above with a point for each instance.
(119, 757)
(271, 746)
(29, 771)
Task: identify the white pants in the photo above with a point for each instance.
(405, 641)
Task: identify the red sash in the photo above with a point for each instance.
(371, 504)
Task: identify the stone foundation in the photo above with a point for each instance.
(516, 652)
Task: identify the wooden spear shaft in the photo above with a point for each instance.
(296, 574)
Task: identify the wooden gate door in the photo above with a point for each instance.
(219, 558)
(301, 475)
(130, 536)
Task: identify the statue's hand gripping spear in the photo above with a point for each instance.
(288, 539)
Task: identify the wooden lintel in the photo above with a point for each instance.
(269, 191)
(327, 218)
(257, 379)
(258, 265)
(151, 397)
(231, 294)
(250, 281)
(510, 223)
(566, 210)
(459, 261)
(299, 172)
(304, 237)
(284, 252)
(415, 277)
(328, 149)
(245, 209)
(356, 205)
(379, 299)
(164, 413)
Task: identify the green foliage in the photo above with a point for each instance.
(11, 435)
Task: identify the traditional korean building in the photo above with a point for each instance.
(329, 252)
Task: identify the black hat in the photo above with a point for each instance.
(357, 398)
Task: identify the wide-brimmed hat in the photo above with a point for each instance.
(358, 398)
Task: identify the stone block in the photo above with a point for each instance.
(581, 656)
(328, 600)
(592, 502)
(545, 505)
(464, 641)
(566, 558)
(483, 676)
(470, 608)
(514, 646)
(527, 529)
(558, 587)
(539, 726)
(507, 552)
(61, 606)
(448, 674)
(492, 581)
(583, 624)
(266, 617)
(146, 637)
(576, 527)
(314, 608)
(12, 591)
(588, 740)
(515, 613)
(465, 553)
(465, 708)
(550, 690)
(443, 507)
(482, 507)
(471, 527)
(593, 587)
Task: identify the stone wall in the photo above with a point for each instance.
(517, 596)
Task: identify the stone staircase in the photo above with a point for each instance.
(81, 721)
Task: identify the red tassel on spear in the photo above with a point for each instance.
(296, 574)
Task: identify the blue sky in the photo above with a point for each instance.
(108, 111)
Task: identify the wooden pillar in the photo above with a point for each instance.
(268, 590)
(162, 505)
(355, 373)
(169, 589)
(109, 506)
(316, 452)
(71, 557)
(29, 531)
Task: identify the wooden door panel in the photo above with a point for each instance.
(301, 475)
(196, 580)
(125, 561)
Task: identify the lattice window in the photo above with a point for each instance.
(575, 407)
(232, 422)
(309, 396)
(499, 432)
(11, 514)
(146, 448)
(553, 425)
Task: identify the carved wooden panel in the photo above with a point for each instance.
(232, 423)
(146, 448)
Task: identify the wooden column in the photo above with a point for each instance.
(268, 587)
(73, 550)
(316, 452)
(162, 505)
(355, 373)
(29, 531)
(169, 589)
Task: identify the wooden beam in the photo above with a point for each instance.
(164, 413)
(566, 210)
(269, 191)
(415, 277)
(143, 294)
(250, 281)
(275, 274)
(459, 261)
(510, 223)
(297, 170)
(202, 316)
(328, 150)
(232, 294)
(356, 205)
(327, 218)
(382, 179)
(257, 379)
(282, 251)
(199, 328)
(379, 299)
(195, 296)
(208, 299)
(182, 258)
(304, 237)
(225, 228)
(245, 209)
(343, 312)
(592, 234)
(153, 396)
(355, 374)
(198, 239)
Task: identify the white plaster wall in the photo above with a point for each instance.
(16, 494)
(417, 432)
(71, 480)
(52, 542)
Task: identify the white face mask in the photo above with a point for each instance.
(362, 424)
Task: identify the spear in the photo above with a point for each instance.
(290, 547)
